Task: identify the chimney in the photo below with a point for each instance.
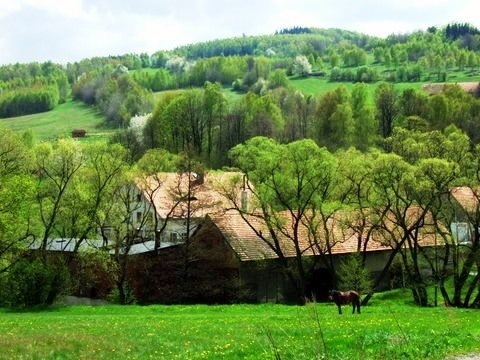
(244, 200)
(244, 195)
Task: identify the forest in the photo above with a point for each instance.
(377, 145)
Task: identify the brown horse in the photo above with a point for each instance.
(342, 298)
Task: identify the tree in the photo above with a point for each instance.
(127, 218)
(418, 194)
(151, 180)
(263, 117)
(461, 255)
(56, 164)
(413, 102)
(16, 198)
(297, 112)
(214, 111)
(433, 179)
(158, 130)
(91, 189)
(401, 219)
(277, 78)
(333, 106)
(292, 185)
(343, 127)
(301, 66)
(354, 276)
(387, 110)
(356, 192)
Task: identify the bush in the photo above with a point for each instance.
(128, 298)
(93, 274)
(354, 276)
(34, 282)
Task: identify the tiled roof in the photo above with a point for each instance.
(343, 236)
(168, 189)
(467, 197)
(242, 238)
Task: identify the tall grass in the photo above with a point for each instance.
(389, 328)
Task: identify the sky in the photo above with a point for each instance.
(66, 31)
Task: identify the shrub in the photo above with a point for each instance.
(93, 274)
(354, 276)
(34, 282)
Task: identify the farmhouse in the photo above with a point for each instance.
(170, 205)
(228, 258)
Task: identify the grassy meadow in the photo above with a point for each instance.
(389, 328)
(60, 122)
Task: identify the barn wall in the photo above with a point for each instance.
(262, 281)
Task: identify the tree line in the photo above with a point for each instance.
(204, 121)
(31, 88)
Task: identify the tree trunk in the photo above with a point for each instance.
(420, 295)
(382, 275)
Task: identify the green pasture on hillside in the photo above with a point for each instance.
(60, 122)
(320, 86)
(389, 328)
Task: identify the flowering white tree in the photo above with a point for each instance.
(301, 65)
(178, 64)
(137, 124)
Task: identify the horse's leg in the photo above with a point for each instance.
(356, 304)
(340, 309)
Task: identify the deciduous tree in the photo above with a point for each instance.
(293, 185)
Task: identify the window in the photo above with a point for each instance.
(176, 237)
(139, 216)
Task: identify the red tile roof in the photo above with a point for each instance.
(343, 238)
(467, 197)
(167, 190)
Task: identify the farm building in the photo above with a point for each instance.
(228, 242)
(165, 201)
(466, 207)
(227, 259)
(79, 133)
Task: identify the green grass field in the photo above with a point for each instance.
(389, 328)
(320, 86)
(60, 122)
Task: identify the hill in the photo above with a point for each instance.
(311, 60)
